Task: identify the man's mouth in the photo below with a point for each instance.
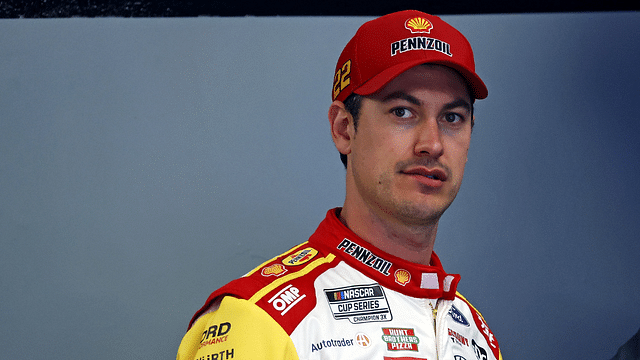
(433, 174)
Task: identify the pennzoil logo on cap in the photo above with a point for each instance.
(418, 25)
(300, 257)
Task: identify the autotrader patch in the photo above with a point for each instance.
(359, 303)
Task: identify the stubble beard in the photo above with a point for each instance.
(411, 212)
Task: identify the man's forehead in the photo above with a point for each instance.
(426, 77)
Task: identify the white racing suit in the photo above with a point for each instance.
(337, 297)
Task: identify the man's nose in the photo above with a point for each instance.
(428, 139)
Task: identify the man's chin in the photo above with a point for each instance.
(420, 214)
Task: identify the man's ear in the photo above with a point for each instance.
(342, 127)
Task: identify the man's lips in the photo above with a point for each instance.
(428, 176)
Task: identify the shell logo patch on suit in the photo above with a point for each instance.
(419, 25)
(402, 276)
(274, 270)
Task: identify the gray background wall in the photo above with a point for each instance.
(146, 162)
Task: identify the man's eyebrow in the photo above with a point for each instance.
(459, 103)
(402, 95)
(415, 101)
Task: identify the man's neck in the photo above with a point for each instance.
(411, 243)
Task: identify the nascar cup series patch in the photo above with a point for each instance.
(359, 303)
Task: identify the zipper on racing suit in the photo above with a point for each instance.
(434, 316)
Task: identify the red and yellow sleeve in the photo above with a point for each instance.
(238, 329)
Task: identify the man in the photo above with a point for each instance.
(367, 284)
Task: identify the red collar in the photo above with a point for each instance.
(390, 271)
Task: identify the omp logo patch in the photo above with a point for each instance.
(400, 339)
(457, 316)
(286, 299)
(359, 303)
(300, 257)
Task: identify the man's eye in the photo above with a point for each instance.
(452, 118)
(401, 112)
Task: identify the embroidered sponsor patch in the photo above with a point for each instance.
(359, 303)
(335, 343)
(365, 256)
(402, 276)
(400, 339)
(286, 299)
(363, 340)
(300, 257)
(273, 270)
(420, 43)
(418, 25)
(457, 316)
(215, 334)
(481, 353)
(457, 338)
(486, 332)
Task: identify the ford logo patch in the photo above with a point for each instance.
(457, 316)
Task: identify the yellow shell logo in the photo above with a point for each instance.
(275, 270)
(418, 25)
(402, 276)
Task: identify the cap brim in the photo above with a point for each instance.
(476, 85)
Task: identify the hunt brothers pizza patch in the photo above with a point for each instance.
(400, 339)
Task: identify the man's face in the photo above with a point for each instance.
(408, 153)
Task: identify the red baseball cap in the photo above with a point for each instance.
(386, 47)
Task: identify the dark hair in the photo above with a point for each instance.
(352, 103)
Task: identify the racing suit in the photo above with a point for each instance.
(337, 297)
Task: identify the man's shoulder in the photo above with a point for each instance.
(477, 321)
(282, 286)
